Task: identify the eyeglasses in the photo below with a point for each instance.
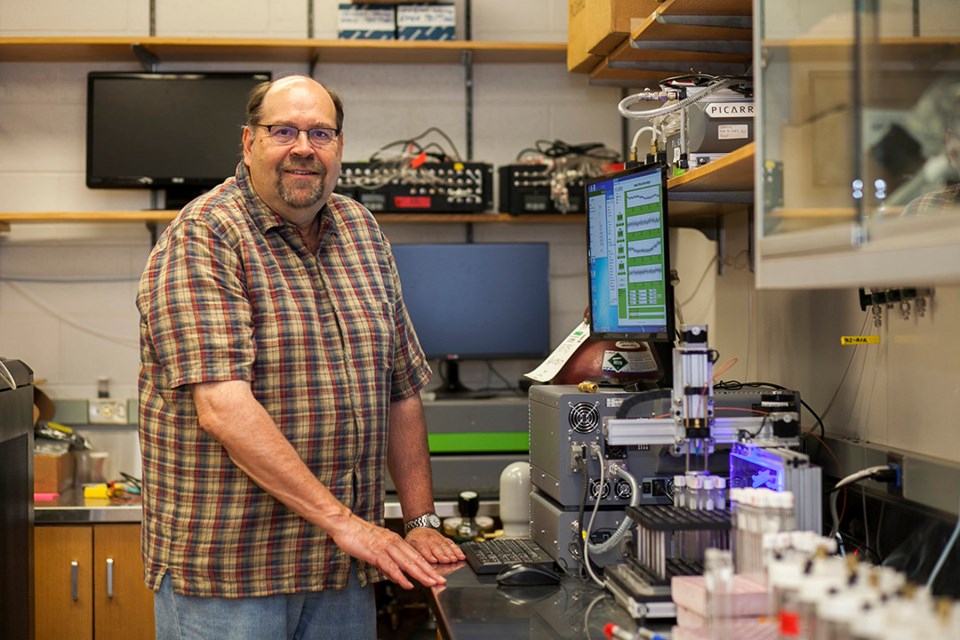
(285, 134)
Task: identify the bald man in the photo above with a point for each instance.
(279, 379)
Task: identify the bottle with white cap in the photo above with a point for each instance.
(693, 492)
(707, 493)
(720, 492)
(679, 490)
(515, 500)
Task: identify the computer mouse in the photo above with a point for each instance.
(528, 575)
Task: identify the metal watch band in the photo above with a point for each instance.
(430, 519)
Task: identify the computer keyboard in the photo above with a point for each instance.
(490, 556)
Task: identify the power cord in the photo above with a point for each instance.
(881, 473)
(943, 555)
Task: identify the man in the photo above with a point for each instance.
(279, 374)
(947, 199)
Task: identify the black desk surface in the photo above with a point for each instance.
(473, 607)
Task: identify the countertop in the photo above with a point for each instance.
(72, 507)
(474, 607)
(468, 607)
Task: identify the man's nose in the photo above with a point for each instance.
(301, 145)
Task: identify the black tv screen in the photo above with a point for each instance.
(478, 300)
(176, 131)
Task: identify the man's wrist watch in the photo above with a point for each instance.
(430, 519)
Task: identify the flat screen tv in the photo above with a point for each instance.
(477, 301)
(175, 131)
(628, 261)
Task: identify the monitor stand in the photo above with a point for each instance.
(453, 388)
(177, 197)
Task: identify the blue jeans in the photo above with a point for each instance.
(347, 614)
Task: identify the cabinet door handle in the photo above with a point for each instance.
(74, 580)
(109, 577)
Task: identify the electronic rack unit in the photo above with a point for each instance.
(432, 187)
(536, 188)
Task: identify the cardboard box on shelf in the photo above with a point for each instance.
(52, 472)
(366, 22)
(437, 21)
(596, 27)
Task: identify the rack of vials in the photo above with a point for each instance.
(755, 513)
(671, 540)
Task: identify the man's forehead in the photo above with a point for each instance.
(301, 95)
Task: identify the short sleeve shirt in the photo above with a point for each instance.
(231, 292)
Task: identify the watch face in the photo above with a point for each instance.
(434, 520)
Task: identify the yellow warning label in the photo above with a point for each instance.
(854, 340)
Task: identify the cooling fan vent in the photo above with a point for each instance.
(584, 417)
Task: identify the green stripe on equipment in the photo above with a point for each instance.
(477, 442)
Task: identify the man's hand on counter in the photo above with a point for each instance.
(435, 547)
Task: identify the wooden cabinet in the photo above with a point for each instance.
(89, 583)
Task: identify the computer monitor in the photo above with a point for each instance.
(175, 131)
(628, 259)
(477, 301)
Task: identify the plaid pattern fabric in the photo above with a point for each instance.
(944, 201)
(230, 292)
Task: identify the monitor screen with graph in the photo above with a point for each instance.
(628, 255)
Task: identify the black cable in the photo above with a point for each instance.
(861, 546)
(744, 87)
(751, 436)
(560, 149)
(887, 474)
(413, 141)
(583, 507)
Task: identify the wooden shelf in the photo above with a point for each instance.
(686, 21)
(272, 50)
(732, 172)
(163, 217)
(713, 189)
(680, 36)
(716, 188)
(919, 51)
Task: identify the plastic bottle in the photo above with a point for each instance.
(734, 523)
(787, 511)
(718, 581)
(693, 492)
(783, 582)
(720, 497)
(869, 622)
(692, 538)
(679, 491)
(708, 489)
(758, 514)
(515, 499)
(745, 515)
(836, 615)
(826, 574)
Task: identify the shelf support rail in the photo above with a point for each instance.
(467, 61)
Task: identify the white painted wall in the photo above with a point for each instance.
(903, 393)
(73, 332)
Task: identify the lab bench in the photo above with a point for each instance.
(474, 607)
